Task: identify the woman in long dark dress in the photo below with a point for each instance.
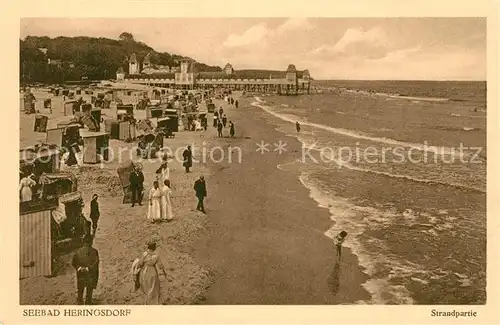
(71, 147)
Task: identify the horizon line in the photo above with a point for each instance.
(441, 80)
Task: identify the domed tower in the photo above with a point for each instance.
(291, 73)
(306, 75)
(133, 64)
(293, 81)
(228, 69)
(185, 78)
(185, 66)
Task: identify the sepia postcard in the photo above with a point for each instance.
(209, 162)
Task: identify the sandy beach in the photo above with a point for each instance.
(123, 232)
(351, 170)
(250, 248)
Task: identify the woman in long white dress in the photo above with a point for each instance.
(25, 192)
(154, 210)
(166, 202)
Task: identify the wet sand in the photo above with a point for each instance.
(265, 243)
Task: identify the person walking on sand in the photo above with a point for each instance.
(231, 129)
(224, 120)
(154, 209)
(149, 278)
(219, 130)
(25, 185)
(297, 126)
(86, 263)
(187, 155)
(338, 241)
(236, 104)
(94, 213)
(200, 188)
(166, 202)
(216, 117)
(136, 180)
(163, 173)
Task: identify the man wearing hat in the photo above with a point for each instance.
(136, 180)
(201, 192)
(86, 263)
(188, 158)
(94, 213)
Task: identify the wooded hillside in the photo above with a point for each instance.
(94, 58)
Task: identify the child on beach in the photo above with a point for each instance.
(339, 240)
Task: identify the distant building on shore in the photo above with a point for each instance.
(120, 74)
(133, 64)
(288, 82)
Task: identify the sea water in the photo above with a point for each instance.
(415, 205)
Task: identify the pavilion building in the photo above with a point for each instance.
(288, 82)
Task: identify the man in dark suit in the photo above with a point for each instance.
(136, 180)
(219, 130)
(86, 263)
(188, 158)
(94, 213)
(201, 192)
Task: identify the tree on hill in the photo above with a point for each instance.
(126, 36)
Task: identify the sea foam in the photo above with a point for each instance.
(344, 164)
(346, 216)
(354, 134)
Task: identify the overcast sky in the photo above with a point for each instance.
(331, 48)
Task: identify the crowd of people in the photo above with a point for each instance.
(220, 121)
(145, 269)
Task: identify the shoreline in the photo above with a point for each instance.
(248, 246)
(265, 240)
(378, 214)
(192, 279)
